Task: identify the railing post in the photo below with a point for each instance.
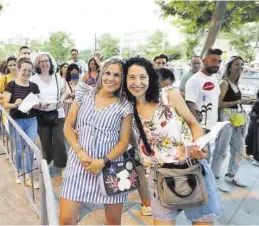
(43, 201)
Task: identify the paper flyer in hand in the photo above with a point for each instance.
(211, 136)
(28, 102)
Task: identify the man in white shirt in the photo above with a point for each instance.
(81, 63)
(202, 95)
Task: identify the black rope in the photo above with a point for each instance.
(27, 172)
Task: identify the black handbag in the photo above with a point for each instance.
(119, 177)
(48, 118)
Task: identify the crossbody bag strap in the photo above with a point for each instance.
(70, 87)
(57, 88)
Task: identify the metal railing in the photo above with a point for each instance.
(17, 144)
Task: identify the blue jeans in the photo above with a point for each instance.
(233, 138)
(29, 126)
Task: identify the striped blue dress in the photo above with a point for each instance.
(99, 132)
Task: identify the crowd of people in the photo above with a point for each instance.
(102, 109)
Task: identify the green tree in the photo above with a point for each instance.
(85, 54)
(246, 40)
(59, 45)
(126, 53)
(37, 45)
(8, 49)
(194, 17)
(156, 44)
(108, 46)
(191, 42)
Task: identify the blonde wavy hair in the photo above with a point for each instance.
(104, 66)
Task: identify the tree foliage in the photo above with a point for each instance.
(85, 54)
(126, 53)
(8, 49)
(108, 46)
(156, 44)
(245, 40)
(59, 45)
(195, 16)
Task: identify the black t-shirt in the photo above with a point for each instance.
(20, 92)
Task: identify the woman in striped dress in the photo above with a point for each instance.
(104, 120)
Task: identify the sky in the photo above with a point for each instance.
(34, 19)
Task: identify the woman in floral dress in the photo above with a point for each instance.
(165, 130)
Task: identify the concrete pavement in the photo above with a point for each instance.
(240, 206)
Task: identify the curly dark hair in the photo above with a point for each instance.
(153, 91)
(37, 64)
(165, 73)
(71, 67)
(163, 56)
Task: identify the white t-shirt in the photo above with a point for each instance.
(48, 92)
(81, 64)
(203, 90)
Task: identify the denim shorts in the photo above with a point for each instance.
(205, 213)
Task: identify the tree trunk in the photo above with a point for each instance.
(215, 25)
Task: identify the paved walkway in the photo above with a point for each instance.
(241, 205)
(15, 208)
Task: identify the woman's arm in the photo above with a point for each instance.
(72, 137)
(7, 104)
(96, 165)
(175, 100)
(85, 78)
(69, 126)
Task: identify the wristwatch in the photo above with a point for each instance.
(107, 162)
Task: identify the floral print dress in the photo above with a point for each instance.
(167, 134)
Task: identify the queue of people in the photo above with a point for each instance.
(120, 104)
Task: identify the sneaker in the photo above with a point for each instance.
(221, 186)
(235, 181)
(18, 178)
(255, 163)
(146, 211)
(28, 183)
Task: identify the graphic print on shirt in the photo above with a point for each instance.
(202, 115)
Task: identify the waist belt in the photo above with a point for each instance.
(183, 165)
